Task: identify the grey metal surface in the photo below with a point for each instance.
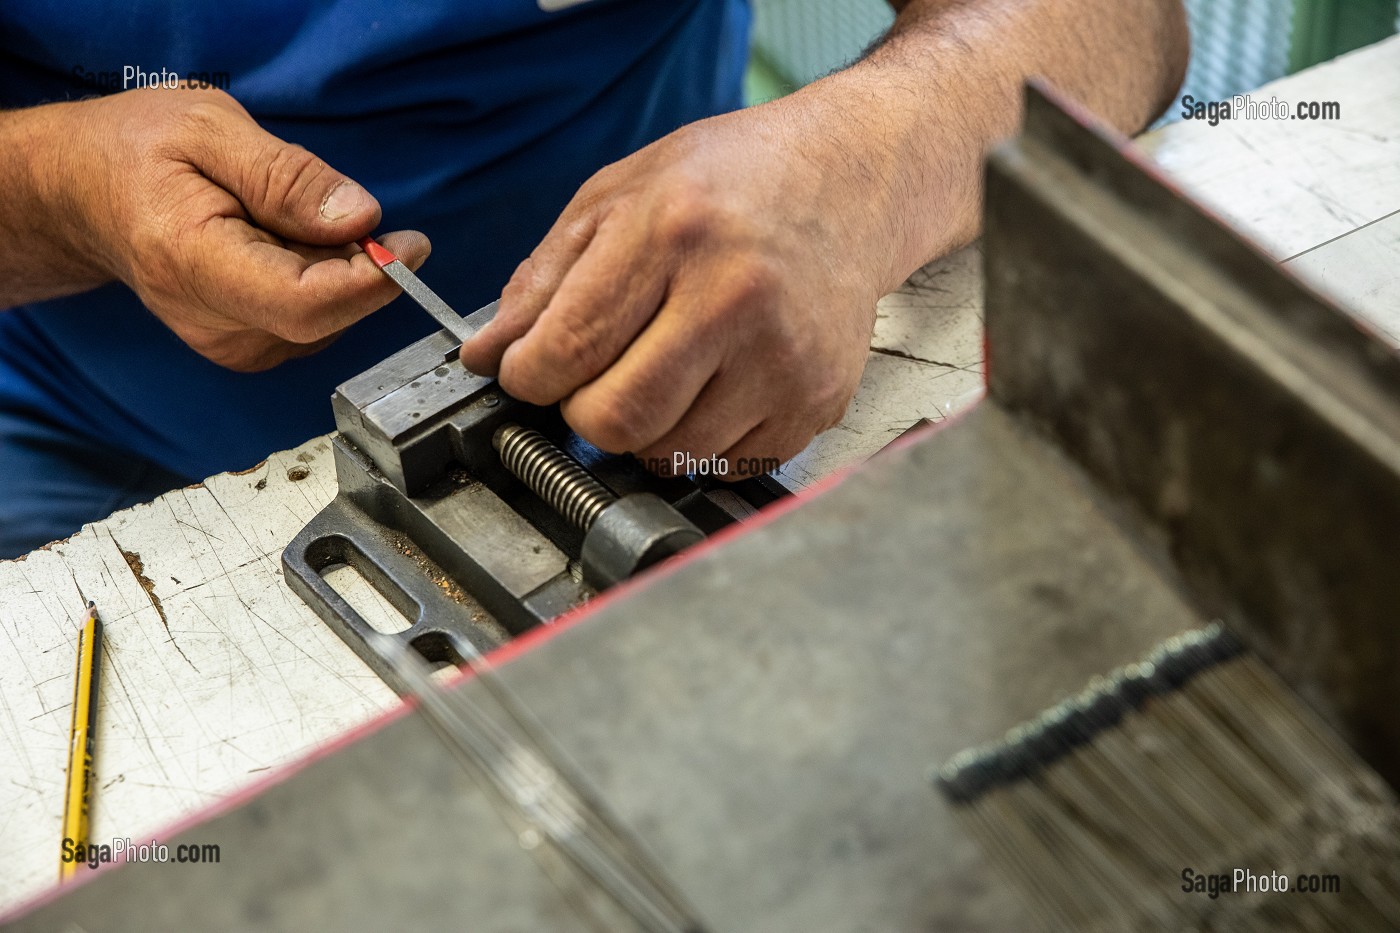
(461, 565)
(764, 717)
(1252, 426)
(446, 624)
(406, 365)
(399, 412)
(610, 878)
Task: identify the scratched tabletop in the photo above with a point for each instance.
(215, 673)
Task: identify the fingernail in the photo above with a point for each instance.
(345, 199)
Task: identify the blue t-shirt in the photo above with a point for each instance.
(474, 122)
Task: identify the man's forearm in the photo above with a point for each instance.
(946, 83)
(38, 248)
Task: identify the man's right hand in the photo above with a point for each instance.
(241, 243)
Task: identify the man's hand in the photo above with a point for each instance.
(715, 293)
(712, 294)
(241, 243)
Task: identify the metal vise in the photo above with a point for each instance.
(479, 516)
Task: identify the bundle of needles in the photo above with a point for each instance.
(1110, 809)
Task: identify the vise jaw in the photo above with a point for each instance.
(432, 511)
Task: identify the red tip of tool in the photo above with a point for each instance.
(380, 256)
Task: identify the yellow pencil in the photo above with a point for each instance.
(82, 744)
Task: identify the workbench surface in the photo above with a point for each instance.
(215, 673)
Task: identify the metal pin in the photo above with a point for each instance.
(413, 286)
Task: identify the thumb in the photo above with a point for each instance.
(285, 189)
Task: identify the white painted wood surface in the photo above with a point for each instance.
(215, 673)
